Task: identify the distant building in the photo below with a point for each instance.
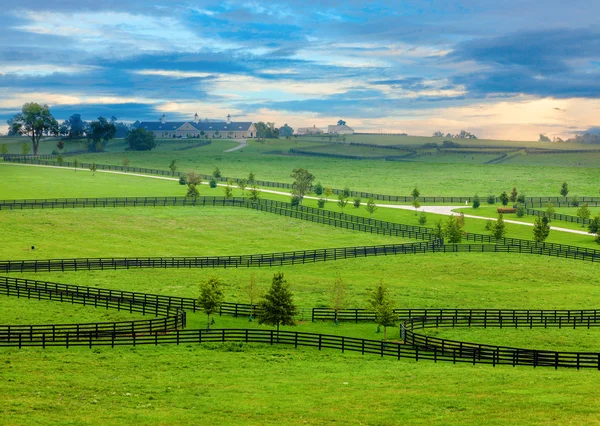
(339, 130)
(303, 131)
(200, 129)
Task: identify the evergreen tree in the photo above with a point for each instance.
(277, 307)
(498, 228)
(453, 230)
(192, 191)
(251, 179)
(415, 193)
(594, 225)
(173, 167)
(383, 307)
(422, 219)
(211, 297)
(564, 189)
(254, 194)
(476, 201)
(503, 198)
(541, 229)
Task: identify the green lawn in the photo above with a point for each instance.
(258, 384)
(388, 177)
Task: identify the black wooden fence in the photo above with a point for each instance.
(558, 216)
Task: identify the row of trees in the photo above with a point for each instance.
(586, 138)
(36, 121)
(463, 134)
(276, 306)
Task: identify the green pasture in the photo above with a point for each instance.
(261, 384)
(387, 177)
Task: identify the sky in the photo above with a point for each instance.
(507, 69)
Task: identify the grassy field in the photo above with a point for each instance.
(250, 384)
(388, 177)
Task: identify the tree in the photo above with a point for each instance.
(416, 205)
(34, 121)
(453, 230)
(318, 189)
(491, 199)
(415, 193)
(438, 230)
(266, 130)
(342, 201)
(438, 134)
(277, 307)
(242, 183)
(337, 296)
(383, 307)
(192, 191)
(550, 210)
(99, 133)
(594, 225)
(583, 213)
(212, 183)
(543, 138)
(541, 229)
(75, 163)
(173, 167)
(371, 207)
(76, 126)
(476, 202)
(253, 291)
(356, 202)
(228, 190)
(564, 189)
(341, 122)
(321, 203)
(254, 194)
(346, 191)
(140, 140)
(327, 191)
(125, 163)
(60, 145)
(513, 195)
(286, 131)
(192, 177)
(521, 198)
(302, 182)
(93, 168)
(216, 173)
(498, 228)
(251, 179)
(24, 149)
(211, 297)
(422, 219)
(60, 160)
(503, 198)
(520, 210)
(574, 201)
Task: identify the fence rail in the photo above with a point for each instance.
(558, 216)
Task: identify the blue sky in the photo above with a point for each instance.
(509, 69)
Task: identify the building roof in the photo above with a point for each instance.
(210, 126)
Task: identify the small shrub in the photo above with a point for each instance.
(422, 218)
(295, 201)
(321, 203)
(575, 201)
(520, 211)
(318, 189)
(476, 202)
(356, 202)
(212, 183)
(491, 199)
(182, 181)
(521, 198)
(504, 198)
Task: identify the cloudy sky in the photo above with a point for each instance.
(500, 69)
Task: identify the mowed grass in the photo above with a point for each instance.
(387, 177)
(31, 311)
(165, 231)
(251, 384)
(258, 384)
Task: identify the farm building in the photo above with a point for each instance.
(302, 131)
(340, 130)
(200, 129)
